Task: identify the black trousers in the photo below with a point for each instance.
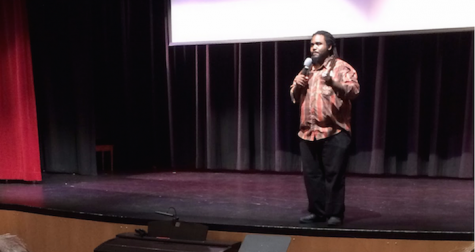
(324, 166)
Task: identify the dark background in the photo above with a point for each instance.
(104, 74)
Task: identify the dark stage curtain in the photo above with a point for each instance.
(63, 67)
(19, 152)
(231, 109)
(106, 64)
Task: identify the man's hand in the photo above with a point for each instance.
(301, 80)
(334, 82)
(329, 78)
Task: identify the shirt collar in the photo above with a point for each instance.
(325, 63)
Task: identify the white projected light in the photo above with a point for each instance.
(229, 21)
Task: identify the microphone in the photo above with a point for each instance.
(306, 66)
(305, 71)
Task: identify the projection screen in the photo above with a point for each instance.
(195, 22)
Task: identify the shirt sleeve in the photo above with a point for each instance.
(349, 80)
(292, 93)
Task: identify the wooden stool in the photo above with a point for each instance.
(102, 149)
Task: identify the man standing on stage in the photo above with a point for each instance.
(324, 93)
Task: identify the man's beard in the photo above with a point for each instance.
(318, 60)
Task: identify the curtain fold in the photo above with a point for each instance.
(378, 119)
(19, 150)
(467, 138)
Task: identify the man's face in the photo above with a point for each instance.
(319, 49)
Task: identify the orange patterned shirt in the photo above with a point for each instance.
(324, 112)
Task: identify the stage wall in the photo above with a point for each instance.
(44, 233)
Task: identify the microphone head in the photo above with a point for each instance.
(307, 63)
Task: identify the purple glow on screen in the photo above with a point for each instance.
(368, 7)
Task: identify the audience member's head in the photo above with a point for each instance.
(11, 243)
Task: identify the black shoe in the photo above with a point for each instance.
(312, 219)
(334, 221)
